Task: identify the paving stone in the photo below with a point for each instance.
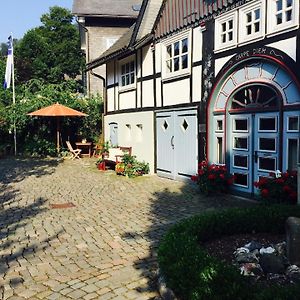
(77, 294)
(104, 246)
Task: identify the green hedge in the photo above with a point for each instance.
(193, 274)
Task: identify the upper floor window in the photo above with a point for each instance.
(177, 56)
(252, 21)
(226, 35)
(127, 73)
(283, 13)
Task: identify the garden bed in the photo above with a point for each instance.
(194, 272)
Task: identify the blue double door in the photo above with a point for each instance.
(176, 144)
(253, 148)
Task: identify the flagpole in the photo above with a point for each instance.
(14, 95)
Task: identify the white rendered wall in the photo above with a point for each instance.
(197, 82)
(197, 44)
(127, 100)
(110, 99)
(148, 98)
(141, 141)
(220, 62)
(177, 92)
(147, 61)
(289, 46)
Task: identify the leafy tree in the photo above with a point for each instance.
(51, 51)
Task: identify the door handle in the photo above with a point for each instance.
(172, 141)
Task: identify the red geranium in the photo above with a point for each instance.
(194, 178)
(212, 176)
(265, 193)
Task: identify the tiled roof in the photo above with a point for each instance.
(136, 36)
(121, 8)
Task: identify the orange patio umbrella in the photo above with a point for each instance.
(57, 110)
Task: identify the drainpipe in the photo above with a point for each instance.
(104, 93)
(87, 47)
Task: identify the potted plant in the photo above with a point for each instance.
(101, 164)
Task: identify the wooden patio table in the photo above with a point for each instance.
(82, 146)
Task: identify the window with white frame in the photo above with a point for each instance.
(176, 55)
(252, 21)
(282, 14)
(226, 31)
(127, 74)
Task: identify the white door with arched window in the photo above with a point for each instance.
(249, 121)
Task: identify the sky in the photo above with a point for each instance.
(18, 16)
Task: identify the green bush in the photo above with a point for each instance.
(130, 167)
(193, 274)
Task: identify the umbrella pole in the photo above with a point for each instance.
(58, 134)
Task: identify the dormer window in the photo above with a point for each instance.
(252, 21)
(177, 55)
(226, 31)
(127, 74)
(283, 14)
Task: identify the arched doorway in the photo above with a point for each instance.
(253, 122)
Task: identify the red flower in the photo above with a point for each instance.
(272, 174)
(230, 181)
(265, 193)
(222, 176)
(201, 172)
(279, 181)
(285, 175)
(287, 189)
(211, 176)
(194, 178)
(256, 184)
(262, 181)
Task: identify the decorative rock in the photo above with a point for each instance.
(293, 273)
(251, 269)
(253, 245)
(268, 250)
(271, 263)
(279, 278)
(241, 250)
(280, 248)
(293, 240)
(246, 258)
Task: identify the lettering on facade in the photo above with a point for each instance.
(253, 52)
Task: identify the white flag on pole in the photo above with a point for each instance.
(9, 63)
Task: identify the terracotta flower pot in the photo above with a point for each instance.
(101, 166)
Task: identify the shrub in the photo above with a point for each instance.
(280, 189)
(212, 178)
(193, 274)
(130, 167)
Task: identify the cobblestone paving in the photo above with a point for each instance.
(104, 247)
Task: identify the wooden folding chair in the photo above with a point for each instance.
(74, 153)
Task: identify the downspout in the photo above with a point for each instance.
(87, 50)
(104, 96)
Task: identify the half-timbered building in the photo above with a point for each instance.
(215, 79)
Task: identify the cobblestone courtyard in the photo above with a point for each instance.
(103, 247)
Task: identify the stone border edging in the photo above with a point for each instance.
(164, 291)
